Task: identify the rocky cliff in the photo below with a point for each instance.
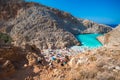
(111, 38)
(92, 27)
(98, 64)
(48, 27)
(14, 60)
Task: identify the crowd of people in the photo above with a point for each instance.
(60, 56)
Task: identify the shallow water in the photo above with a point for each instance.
(89, 40)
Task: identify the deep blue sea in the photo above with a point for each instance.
(89, 40)
(112, 25)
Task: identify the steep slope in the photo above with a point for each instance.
(92, 27)
(22, 64)
(13, 61)
(100, 64)
(112, 38)
(8, 8)
(47, 27)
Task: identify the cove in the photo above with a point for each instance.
(89, 40)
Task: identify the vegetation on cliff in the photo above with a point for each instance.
(5, 38)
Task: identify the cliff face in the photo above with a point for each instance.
(112, 37)
(47, 27)
(8, 8)
(14, 60)
(10, 59)
(92, 27)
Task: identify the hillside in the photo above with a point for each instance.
(22, 64)
(98, 64)
(34, 28)
(47, 27)
(111, 38)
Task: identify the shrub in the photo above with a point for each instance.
(6, 38)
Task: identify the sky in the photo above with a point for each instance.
(100, 11)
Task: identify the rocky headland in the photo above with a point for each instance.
(111, 38)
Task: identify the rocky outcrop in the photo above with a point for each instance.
(13, 54)
(11, 58)
(48, 27)
(38, 26)
(9, 8)
(34, 59)
(15, 60)
(32, 23)
(92, 27)
(6, 68)
(99, 64)
(111, 38)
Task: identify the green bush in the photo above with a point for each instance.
(7, 39)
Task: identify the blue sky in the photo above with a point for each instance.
(100, 11)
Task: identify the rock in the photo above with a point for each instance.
(101, 39)
(111, 38)
(76, 62)
(72, 62)
(29, 78)
(105, 76)
(92, 27)
(117, 68)
(25, 65)
(16, 55)
(6, 8)
(81, 60)
(6, 68)
(32, 59)
(35, 59)
(32, 48)
(48, 27)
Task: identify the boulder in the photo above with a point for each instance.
(6, 68)
(35, 59)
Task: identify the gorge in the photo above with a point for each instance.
(35, 43)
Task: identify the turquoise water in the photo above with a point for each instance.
(89, 40)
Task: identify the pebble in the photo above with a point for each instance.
(117, 68)
(25, 65)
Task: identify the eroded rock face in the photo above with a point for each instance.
(111, 38)
(34, 59)
(92, 27)
(15, 60)
(76, 62)
(11, 59)
(14, 54)
(6, 68)
(38, 26)
(48, 27)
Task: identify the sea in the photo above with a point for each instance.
(89, 40)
